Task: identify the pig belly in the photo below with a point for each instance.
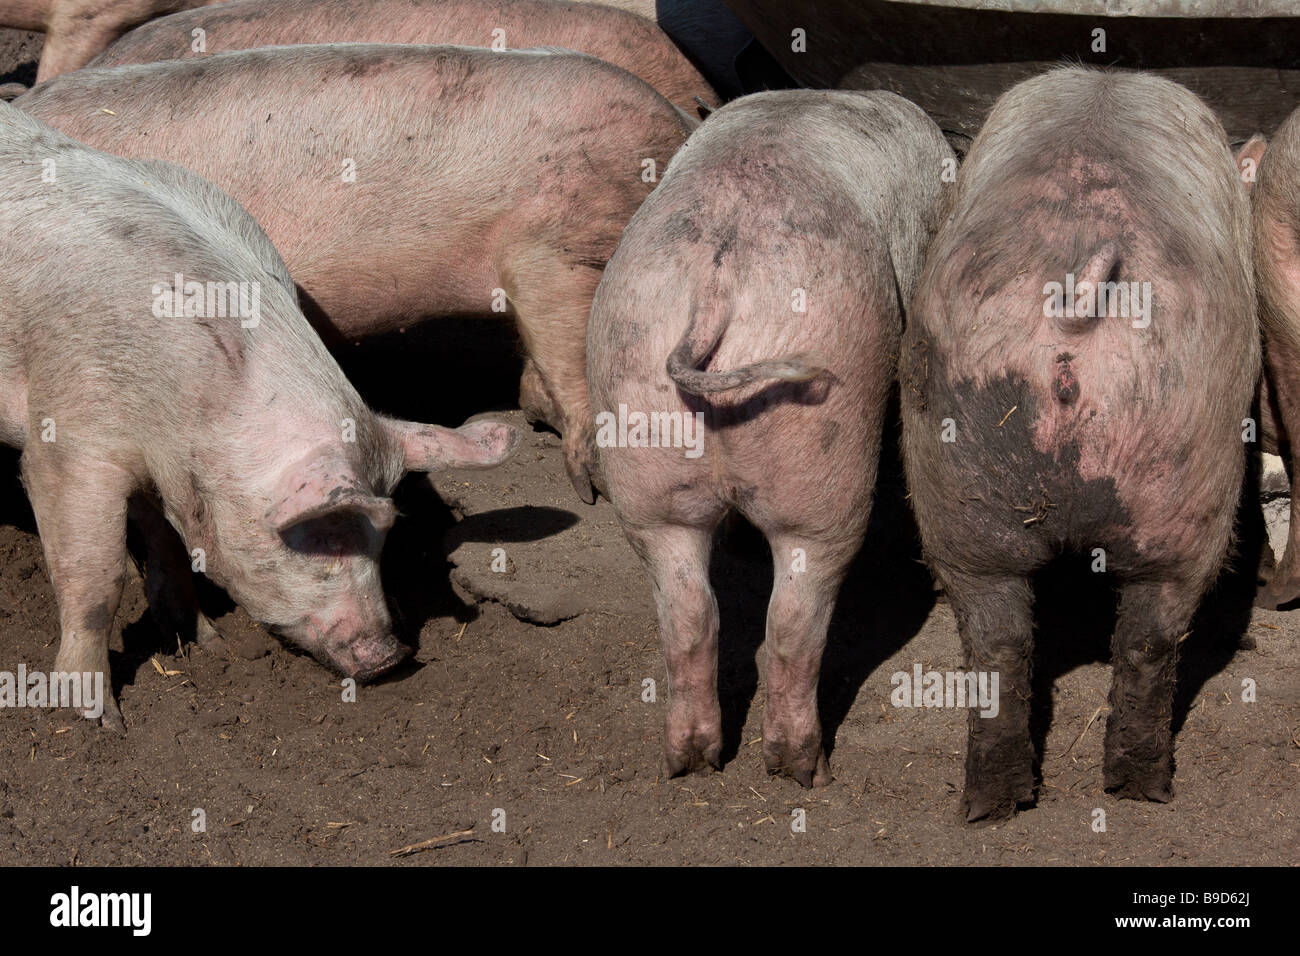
(357, 303)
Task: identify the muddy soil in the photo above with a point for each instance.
(526, 702)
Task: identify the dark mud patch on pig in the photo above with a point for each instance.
(1020, 506)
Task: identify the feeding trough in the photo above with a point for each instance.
(955, 57)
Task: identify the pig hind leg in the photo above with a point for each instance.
(1280, 396)
(995, 620)
(807, 573)
(1152, 617)
(552, 301)
(677, 558)
(74, 39)
(534, 402)
(81, 510)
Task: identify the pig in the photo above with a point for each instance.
(1076, 375)
(76, 30)
(618, 37)
(752, 313)
(401, 182)
(705, 30)
(1275, 214)
(154, 363)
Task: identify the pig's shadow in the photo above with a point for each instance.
(883, 602)
(15, 509)
(507, 525)
(441, 371)
(24, 73)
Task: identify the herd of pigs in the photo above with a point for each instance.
(774, 272)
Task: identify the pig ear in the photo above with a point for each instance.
(1248, 158)
(323, 486)
(480, 444)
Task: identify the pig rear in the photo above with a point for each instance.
(741, 350)
(1081, 355)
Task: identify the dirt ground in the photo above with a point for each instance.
(543, 729)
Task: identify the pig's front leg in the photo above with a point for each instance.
(169, 580)
(1144, 656)
(81, 509)
(995, 620)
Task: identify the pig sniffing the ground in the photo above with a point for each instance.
(1041, 416)
(76, 30)
(401, 182)
(240, 428)
(624, 39)
(1276, 216)
(756, 300)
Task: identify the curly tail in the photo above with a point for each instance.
(702, 336)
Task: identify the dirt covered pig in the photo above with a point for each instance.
(1079, 361)
(741, 351)
(1276, 217)
(624, 39)
(154, 363)
(402, 182)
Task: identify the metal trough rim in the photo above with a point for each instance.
(1207, 9)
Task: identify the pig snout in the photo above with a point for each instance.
(351, 645)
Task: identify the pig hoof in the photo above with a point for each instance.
(679, 765)
(1128, 780)
(210, 639)
(111, 720)
(692, 757)
(984, 805)
(580, 477)
(807, 769)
